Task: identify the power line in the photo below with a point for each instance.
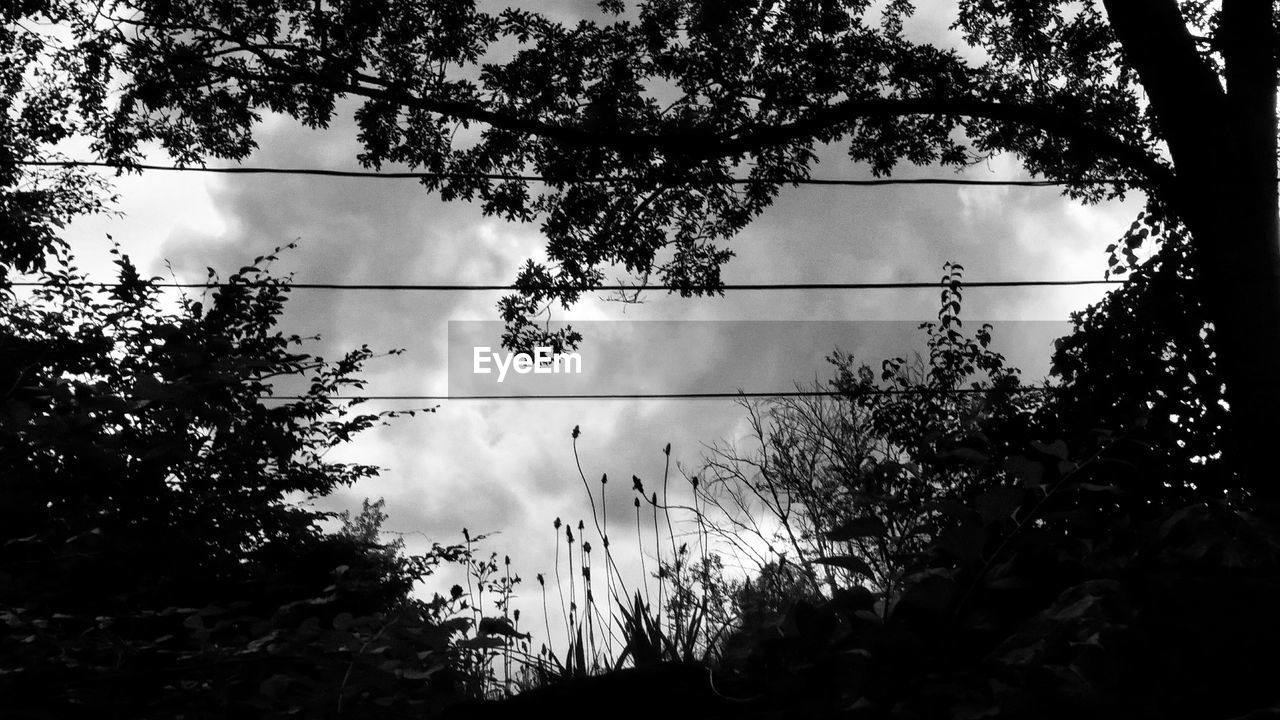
(681, 396)
(507, 177)
(668, 396)
(591, 288)
(513, 177)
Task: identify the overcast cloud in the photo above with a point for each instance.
(509, 465)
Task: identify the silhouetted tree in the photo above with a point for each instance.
(35, 97)
(846, 487)
(1062, 594)
(1094, 572)
(1169, 395)
(1175, 98)
(157, 556)
(132, 424)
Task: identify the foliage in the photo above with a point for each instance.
(641, 119)
(670, 99)
(156, 558)
(1170, 394)
(855, 495)
(1092, 560)
(130, 421)
(1051, 609)
(37, 94)
(1095, 574)
(1047, 580)
(845, 487)
(607, 625)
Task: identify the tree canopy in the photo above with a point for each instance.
(158, 554)
(662, 128)
(1109, 577)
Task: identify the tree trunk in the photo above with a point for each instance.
(1236, 246)
(1223, 145)
(1234, 214)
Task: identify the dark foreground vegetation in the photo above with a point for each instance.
(930, 554)
(1102, 547)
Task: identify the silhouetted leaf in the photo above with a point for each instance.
(1029, 472)
(486, 642)
(999, 503)
(1056, 449)
(862, 527)
(275, 686)
(848, 562)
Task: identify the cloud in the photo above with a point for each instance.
(510, 466)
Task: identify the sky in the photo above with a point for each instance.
(508, 466)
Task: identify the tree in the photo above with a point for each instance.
(847, 487)
(129, 422)
(158, 553)
(36, 96)
(1172, 98)
(155, 558)
(1170, 396)
(1093, 572)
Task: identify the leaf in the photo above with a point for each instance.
(1029, 472)
(17, 411)
(149, 387)
(949, 507)
(966, 455)
(1056, 449)
(499, 626)
(963, 542)
(274, 686)
(579, 654)
(932, 592)
(457, 624)
(487, 642)
(263, 641)
(1073, 610)
(848, 562)
(868, 526)
(999, 503)
(418, 674)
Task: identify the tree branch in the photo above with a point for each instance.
(1184, 91)
(703, 144)
(1149, 171)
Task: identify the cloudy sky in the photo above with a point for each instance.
(508, 466)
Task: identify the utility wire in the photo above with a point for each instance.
(537, 178)
(591, 288)
(681, 396)
(509, 177)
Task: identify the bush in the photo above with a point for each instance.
(155, 560)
